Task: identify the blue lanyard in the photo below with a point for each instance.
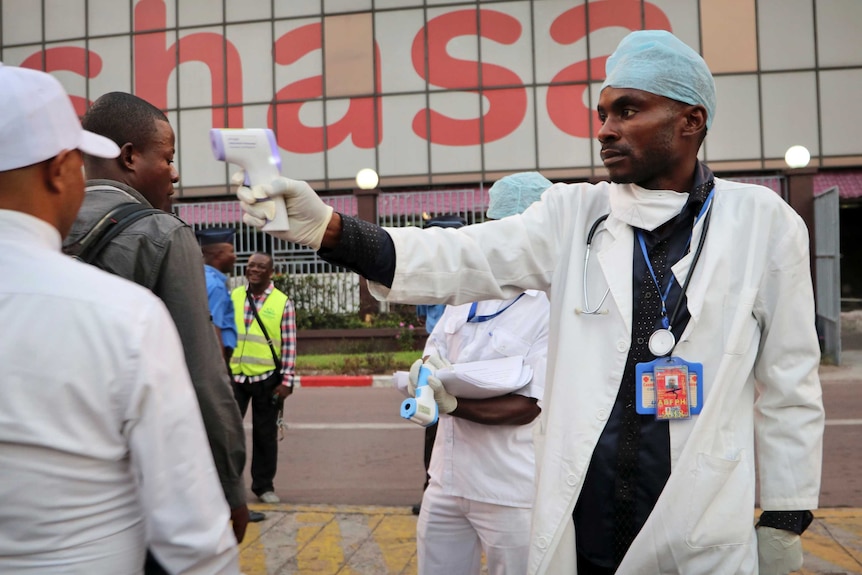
(665, 322)
(473, 318)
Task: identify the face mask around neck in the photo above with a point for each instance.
(645, 209)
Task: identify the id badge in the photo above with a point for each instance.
(671, 392)
(669, 388)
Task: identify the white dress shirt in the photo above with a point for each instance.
(102, 448)
(490, 463)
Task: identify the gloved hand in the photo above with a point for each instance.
(446, 402)
(307, 215)
(779, 551)
(433, 362)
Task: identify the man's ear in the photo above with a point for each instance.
(127, 156)
(59, 169)
(694, 120)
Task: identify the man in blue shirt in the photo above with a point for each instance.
(219, 257)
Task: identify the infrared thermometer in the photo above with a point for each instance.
(256, 152)
(421, 409)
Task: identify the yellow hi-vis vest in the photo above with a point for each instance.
(252, 355)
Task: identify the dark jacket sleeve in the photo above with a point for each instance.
(365, 248)
(181, 285)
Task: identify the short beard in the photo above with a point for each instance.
(654, 162)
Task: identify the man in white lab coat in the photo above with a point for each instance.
(480, 493)
(681, 338)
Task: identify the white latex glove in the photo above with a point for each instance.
(413, 378)
(779, 551)
(446, 402)
(433, 362)
(307, 215)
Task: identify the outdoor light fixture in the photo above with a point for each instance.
(366, 179)
(797, 156)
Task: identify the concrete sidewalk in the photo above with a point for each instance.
(376, 540)
(330, 540)
(342, 540)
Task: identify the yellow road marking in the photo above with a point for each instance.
(396, 537)
(319, 542)
(825, 548)
(252, 554)
(324, 544)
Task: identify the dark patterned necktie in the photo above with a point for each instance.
(647, 312)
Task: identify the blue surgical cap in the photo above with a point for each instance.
(512, 194)
(658, 62)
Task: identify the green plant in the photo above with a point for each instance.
(352, 366)
(406, 336)
(356, 364)
(315, 298)
(381, 362)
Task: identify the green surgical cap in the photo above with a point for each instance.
(658, 62)
(512, 194)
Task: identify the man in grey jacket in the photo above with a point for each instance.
(160, 252)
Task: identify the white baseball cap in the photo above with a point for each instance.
(38, 121)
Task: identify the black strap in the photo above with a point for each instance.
(106, 229)
(275, 357)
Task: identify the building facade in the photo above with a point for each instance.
(446, 93)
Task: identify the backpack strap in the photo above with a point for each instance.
(106, 229)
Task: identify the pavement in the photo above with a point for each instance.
(372, 540)
(330, 540)
(377, 540)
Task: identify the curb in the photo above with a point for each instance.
(345, 381)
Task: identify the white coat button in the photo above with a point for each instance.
(602, 414)
(571, 480)
(622, 345)
(542, 542)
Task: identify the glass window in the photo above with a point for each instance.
(789, 112)
(735, 134)
(402, 150)
(838, 38)
(348, 55)
(729, 35)
(108, 17)
(786, 30)
(65, 19)
(840, 114)
(21, 21)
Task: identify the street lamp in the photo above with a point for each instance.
(797, 157)
(366, 209)
(367, 179)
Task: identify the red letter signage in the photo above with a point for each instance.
(293, 135)
(506, 108)
(565, 103)
(154, 62)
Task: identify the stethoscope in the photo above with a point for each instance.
(662, 341)
(598, 309)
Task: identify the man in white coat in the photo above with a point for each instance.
(682, 334)
(480, 493)
(102, 447)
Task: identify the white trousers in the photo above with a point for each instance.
(452, 532)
